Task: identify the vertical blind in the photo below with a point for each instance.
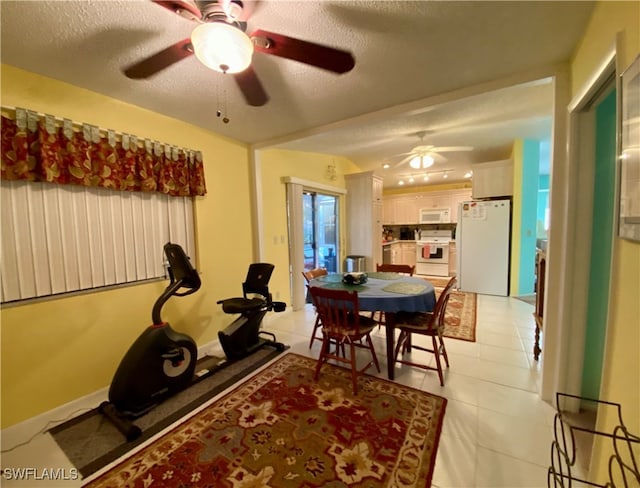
(62, 238)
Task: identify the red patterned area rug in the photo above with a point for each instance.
(281, 428)
(460, 320)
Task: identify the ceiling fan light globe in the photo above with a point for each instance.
(421, 162)
(222, 47)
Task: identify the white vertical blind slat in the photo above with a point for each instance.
(94, 233)
(149, 234)
(190, 233)
(39, 247)
(117, 237)
(83, 252)
(138, 237)
(69, 239)
(22, 233)
(9, 253)
(128, 236)
(53, 229)
(106, 237)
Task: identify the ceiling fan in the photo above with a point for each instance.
(220, 42)
(424, 156)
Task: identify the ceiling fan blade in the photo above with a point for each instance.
(184, 8)
(331, 59)
(160, 60)
(438, 158)
(452, 148)
(405, 160)
(251, 87)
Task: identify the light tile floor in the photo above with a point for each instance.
(496, 433)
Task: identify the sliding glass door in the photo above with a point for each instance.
(320, 227)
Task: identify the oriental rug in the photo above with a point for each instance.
(460, 319)
(280, 428)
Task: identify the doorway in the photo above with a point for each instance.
(313, 211)
(582, 235)
(602, 234)
(320, 218)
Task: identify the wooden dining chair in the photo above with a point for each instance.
(427, 324)
(406, 269)
(308, 276)
(343, 325)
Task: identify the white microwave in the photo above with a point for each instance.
(434, 216)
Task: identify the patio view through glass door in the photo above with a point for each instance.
(320, 231)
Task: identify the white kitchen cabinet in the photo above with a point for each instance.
(408, 253)
(364, 217)
(493, 179)
(400, 210)
(406, 212)
(403, 209)
(403, 252)
(395, 253)
(432, 200)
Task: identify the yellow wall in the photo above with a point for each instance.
(621, 374)
(516, 212)
(55, 351)
(276, 163)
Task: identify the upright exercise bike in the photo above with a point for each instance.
(162, 362)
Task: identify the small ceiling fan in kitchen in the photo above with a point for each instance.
(424, 156)
(221, 43)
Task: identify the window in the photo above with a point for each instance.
(62, 238)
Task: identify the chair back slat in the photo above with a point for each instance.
(396, 268)
(314, 273)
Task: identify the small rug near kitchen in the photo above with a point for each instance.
(281, 428)
(460, 320)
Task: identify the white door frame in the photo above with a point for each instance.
(571, 204)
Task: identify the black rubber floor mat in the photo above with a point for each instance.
(90, 441)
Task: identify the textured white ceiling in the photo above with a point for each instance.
(405, 52)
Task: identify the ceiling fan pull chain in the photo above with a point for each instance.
(218, 111)
(225, 117)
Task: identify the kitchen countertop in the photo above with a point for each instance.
(396, 241)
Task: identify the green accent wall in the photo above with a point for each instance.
(601, 244)
(543, 204)
(528, 215)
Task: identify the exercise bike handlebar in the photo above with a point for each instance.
(181, 275)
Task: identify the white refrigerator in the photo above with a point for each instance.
(483, 237)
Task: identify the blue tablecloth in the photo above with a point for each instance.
(386, 292)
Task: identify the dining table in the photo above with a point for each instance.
(389, 293)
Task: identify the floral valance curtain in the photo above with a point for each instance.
(43, 148)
